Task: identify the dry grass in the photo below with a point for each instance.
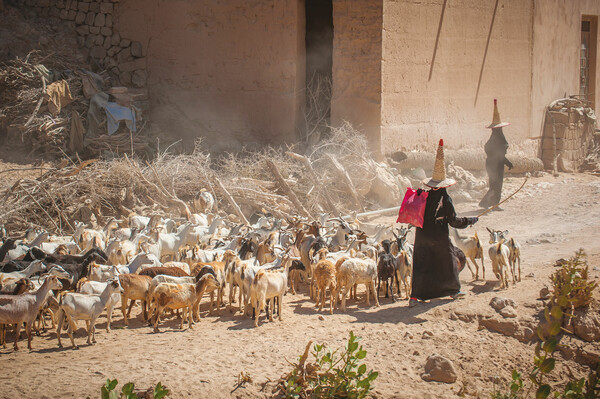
(115, 187)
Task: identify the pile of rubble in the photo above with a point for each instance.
(52, 104)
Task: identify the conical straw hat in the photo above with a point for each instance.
(439, 179)
(496, 118)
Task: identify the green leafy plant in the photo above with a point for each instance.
(571, 289)
(330, 375)
(108, 391)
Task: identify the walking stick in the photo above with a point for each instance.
(505, 199)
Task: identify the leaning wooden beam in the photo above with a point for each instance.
(231, 201)
(349, 185)
(368, 215)
(306, 162)
(287, 190)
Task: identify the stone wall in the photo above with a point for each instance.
(443, 86)
(93, 20)
(567, 136)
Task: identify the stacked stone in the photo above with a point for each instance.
(573, 132)
(93, 22)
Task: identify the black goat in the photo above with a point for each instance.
(386, 269)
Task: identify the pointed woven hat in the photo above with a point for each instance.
(439, 179)
(496, 118)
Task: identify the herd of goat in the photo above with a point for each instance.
(166, 265)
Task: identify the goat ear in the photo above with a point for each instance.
(505, 232)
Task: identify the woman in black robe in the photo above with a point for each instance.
(436, 262)
(495, 150)
(435, 259)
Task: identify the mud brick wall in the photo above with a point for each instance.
(94, 24)
(574, 133)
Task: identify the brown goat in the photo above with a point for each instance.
(169, 271)
(135, 287)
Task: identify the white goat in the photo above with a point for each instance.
(353, 271)
(471, 246)
(74, 307)
(515, 252)
(499, 255)
(19, 309)
(34, 267)
(97, 288)
(268, 285)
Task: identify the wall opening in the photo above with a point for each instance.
(587, 59)
(319, 63)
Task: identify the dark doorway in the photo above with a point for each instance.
(319, 61)
(587, 61)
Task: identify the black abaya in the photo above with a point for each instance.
(495, 150)
(436, 261)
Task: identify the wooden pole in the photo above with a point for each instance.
(306, 162)
(287, 190)
(349, 185)
(232, 202)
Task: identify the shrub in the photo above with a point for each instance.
(571, 290)
(107, 391)
(330, 376)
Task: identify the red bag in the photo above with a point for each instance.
(413, 207)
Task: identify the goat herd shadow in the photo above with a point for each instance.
(388, 312)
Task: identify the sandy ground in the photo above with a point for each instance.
(552, 218)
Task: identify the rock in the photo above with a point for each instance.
(125, 78)
(100, 19)
(124, 43)
(136, 49)
(124, 55)
(64, 14)
(94, 30)
(321, 317)
(499, 302)
(108, 22)
(95, 7)
(427, 334)
(106, 8)
(84, 7)
(416, 353)
(477, 374)
(71, 15)
(505, 327)
(80, 17)
(508, 312)
(587, 324)
(531, 275)
(106, 31)
(439, 369)
(83, 30)
(528, 334)
(408, 335)
(89, 18)
(115, 39)
(99, 40)
(139, 78)
(545, 292)
(113, 50)
(139, 63)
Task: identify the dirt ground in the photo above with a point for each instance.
(552, 217)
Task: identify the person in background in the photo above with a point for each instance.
(436, 262)
(495, 150)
